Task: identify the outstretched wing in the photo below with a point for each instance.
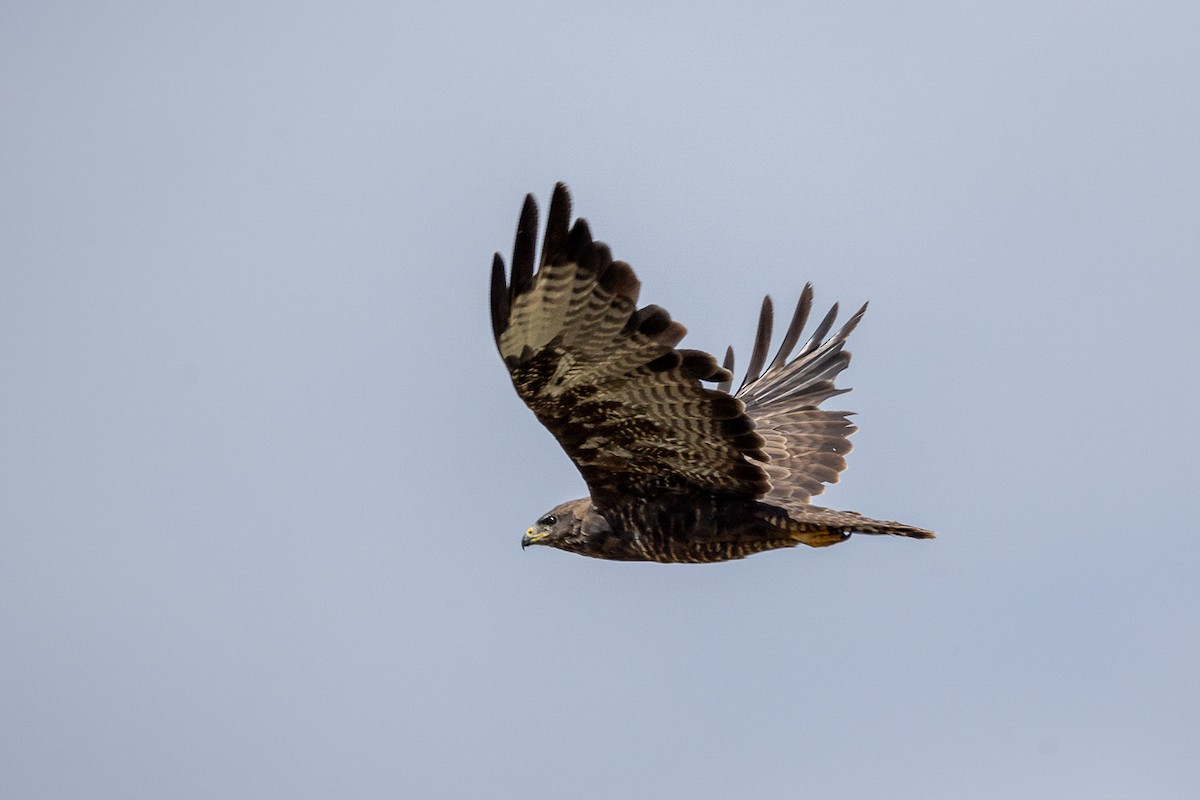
(807, 445)
(606, 378)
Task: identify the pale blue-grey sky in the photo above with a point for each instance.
(264, 477)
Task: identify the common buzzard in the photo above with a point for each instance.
(677, 471)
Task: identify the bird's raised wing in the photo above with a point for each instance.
(605, 376)
(807, 445)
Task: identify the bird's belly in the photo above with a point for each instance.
(707, 530)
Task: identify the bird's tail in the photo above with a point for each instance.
(821, 527)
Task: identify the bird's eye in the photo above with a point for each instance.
(548, 520)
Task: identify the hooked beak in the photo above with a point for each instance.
(531, 538)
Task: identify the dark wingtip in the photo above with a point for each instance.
(738, 426)
(700, 365)
(818, 335)
(727, 365)
(579, 240)
(851, 323)
(524, 248)
(652, 320)
(667, 361)
(500, 305)
(619, 279)
(723, 406)
(558, 223)
(799, 320)
(762, 341)
(858, 315)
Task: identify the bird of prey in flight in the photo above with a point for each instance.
(677, 471)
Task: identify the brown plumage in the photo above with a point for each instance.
(676, 471)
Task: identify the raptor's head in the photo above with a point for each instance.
(578, 527)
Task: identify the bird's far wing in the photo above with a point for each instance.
(807, 445)
(606, 378)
